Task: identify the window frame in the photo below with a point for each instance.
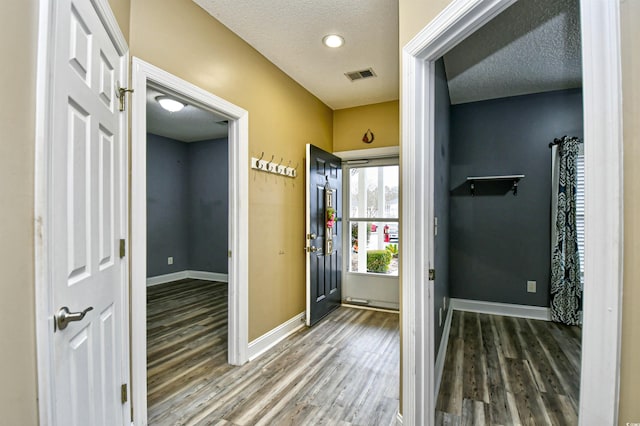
(347, 219)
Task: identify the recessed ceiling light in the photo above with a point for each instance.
(333, 40)
(169, 104)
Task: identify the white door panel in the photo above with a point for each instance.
(87, 219)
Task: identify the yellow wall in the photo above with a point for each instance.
(415, 14)
(18, 405)
(121, 10)
(349, 125)
(283, 117)
(630, 370)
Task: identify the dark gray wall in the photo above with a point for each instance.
(499, 241)
(208, 205)
(441, 174)
(187, 205)
(167, 205)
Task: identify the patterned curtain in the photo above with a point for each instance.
(566, 283)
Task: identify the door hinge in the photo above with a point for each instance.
(122, 91)
(432, 274)
(229, 253)
(123, 393)
(123, 248)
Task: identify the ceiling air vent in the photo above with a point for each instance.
(359, 75)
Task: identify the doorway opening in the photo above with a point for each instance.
(187, 246)
(602, 131)
(151, 263)
(493, 246)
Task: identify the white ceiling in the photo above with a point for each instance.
(191, 124)
(289, 33)
(532, 47)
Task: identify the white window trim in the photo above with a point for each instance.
(346, 202)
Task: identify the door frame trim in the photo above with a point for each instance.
(238, 141)
(602, 94)
(43, 203)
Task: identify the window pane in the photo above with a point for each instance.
(354, 179)
(374, 247)
(374, 192)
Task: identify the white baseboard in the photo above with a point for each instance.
(208, 276)
(166, 278)
(271, 338)
(370, 308)
(181, 275)
(399, 419)
(442, 351)
(506, 309)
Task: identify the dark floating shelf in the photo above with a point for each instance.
(514, 178)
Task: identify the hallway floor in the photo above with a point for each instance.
(509, 371)
(344, 371)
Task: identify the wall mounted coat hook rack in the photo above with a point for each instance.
(272, 167)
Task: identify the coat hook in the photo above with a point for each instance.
(258, 160)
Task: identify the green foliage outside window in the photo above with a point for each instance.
(378, 261)
(393, 249)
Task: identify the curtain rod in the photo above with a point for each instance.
(558, 141)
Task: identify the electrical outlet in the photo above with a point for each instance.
(440, 317)
(170, 260)
(531, 286)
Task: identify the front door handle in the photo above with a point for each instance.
(64, 317)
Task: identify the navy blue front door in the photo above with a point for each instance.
(324, 257)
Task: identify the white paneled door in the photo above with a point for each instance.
(87, 221)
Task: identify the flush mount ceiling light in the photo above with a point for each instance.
(169, 104)
(333, 40)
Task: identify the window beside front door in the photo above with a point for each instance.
(373, 219)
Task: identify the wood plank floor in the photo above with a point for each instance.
(509, 371)
(344, 371)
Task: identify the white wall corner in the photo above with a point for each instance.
(442, 351)
(505, 309)
(271, 338)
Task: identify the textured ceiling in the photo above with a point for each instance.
(533, 46)
(191, 124)
(289, 33)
